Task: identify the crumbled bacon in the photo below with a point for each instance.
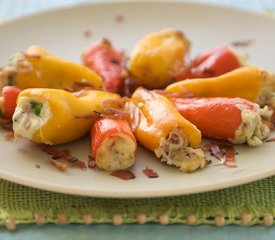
(78, 86)
(242, 43)
(9, 135)
(91, 162)
(149, 172)
(59, 164)
(59, 155)
(119, 18)
(270, 140)
(123, 174)
(87, 33)
(222, 151)
(6, 124)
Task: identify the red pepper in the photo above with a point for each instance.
(215, 62)
(113, 145)
(106, 61)
(9, 97)
(222, 118)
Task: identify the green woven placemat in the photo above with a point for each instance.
(248, 204)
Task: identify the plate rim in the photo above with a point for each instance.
(54, 188)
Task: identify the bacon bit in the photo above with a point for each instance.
(88, 116)
(78, 86)
(6, 124)
(123, 174)
(9, 135)
(91, 162)
(63, 154)
(150, 173)
(242, 43)
(119, 18)
(87, 33)
(222, 151)
(207, 162)
(59, 164)
(37, 165)
(80, 93)
(270, 140)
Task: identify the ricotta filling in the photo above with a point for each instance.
(252, 129)
(26, 121)
(175, 150)
(116, 153)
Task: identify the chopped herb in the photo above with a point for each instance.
(36, 107)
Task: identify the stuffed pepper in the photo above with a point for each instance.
(37, 68)
(250, 82)
(113, 145)
(51, 115)
(234, 119)
(109, 63)
(159, 127)
(158, 57)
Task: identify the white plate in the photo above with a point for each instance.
(62, 32)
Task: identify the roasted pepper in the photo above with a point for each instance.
(109, 63)
(113, 145)
(37, 68)
(51, 115)
(159, 127)
(158, 57)
(234, 119)
(249, 82)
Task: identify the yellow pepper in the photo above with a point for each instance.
(249, 82)
(158, 58)
(37, 68)
(51, 115)
(159, 127)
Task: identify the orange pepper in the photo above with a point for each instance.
(159, 127)
(247, 82)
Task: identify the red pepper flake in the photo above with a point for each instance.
(150, 173)
(222, 151)
(123, 174)
(242, 43)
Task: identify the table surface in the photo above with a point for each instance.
(15, 8)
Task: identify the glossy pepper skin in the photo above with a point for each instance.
(157, 117)
(245, 82)
(233, 119)
(37, 68)
(113, 145)
(8, 101)
(50, 115)
(158, 57)
(212, 63)
(107, 62)
(159, 127)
